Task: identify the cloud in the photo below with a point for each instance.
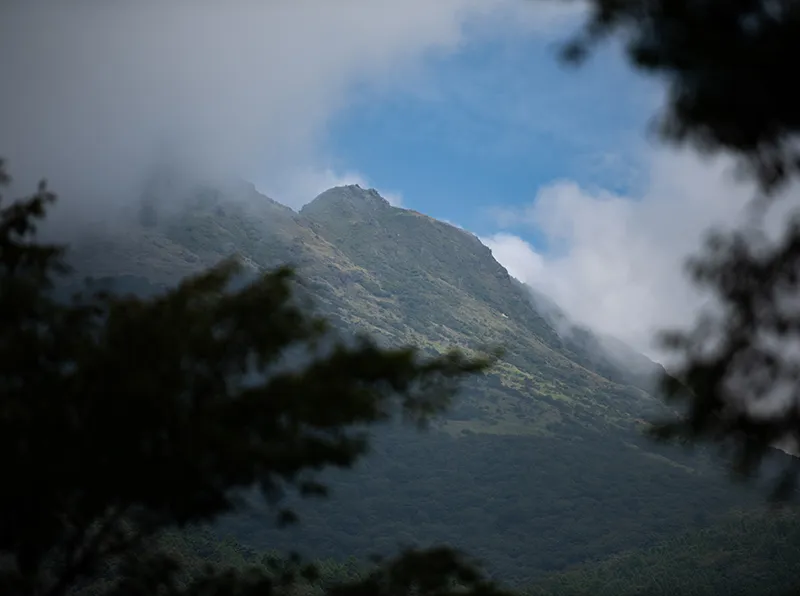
(94, 93)
(455, 225)
(303, 184)
(518, 257)
(616, 263)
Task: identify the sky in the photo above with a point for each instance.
(459, 109)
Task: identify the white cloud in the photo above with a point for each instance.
(518, 257)
(617, 263)
(93, 91)
(455, 225)
(301, 185)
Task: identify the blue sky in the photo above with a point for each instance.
(493, 123)
(459, 107)
(595, 214)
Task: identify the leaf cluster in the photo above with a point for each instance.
(122, 416)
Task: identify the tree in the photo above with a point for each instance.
(124, 417)
(729, 69)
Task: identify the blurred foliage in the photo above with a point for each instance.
(742, 391)
(729, 67)
(123, 416)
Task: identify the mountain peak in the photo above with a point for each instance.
(350, 199)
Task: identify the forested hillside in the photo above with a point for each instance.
(753, 552)
(748, 553)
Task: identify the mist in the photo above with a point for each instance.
(96, 94)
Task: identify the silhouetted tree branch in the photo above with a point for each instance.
(123, 417)
(729, 67)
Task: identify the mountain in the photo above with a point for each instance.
(540, 466)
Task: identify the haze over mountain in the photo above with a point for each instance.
(540, 465)
(389, 271)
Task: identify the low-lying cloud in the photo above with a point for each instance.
(95, 93)
(616, 263)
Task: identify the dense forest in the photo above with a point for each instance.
(523, 505)
(746, 552)
(749, 552)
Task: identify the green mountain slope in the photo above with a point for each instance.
(399, 275)
(540, 466)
